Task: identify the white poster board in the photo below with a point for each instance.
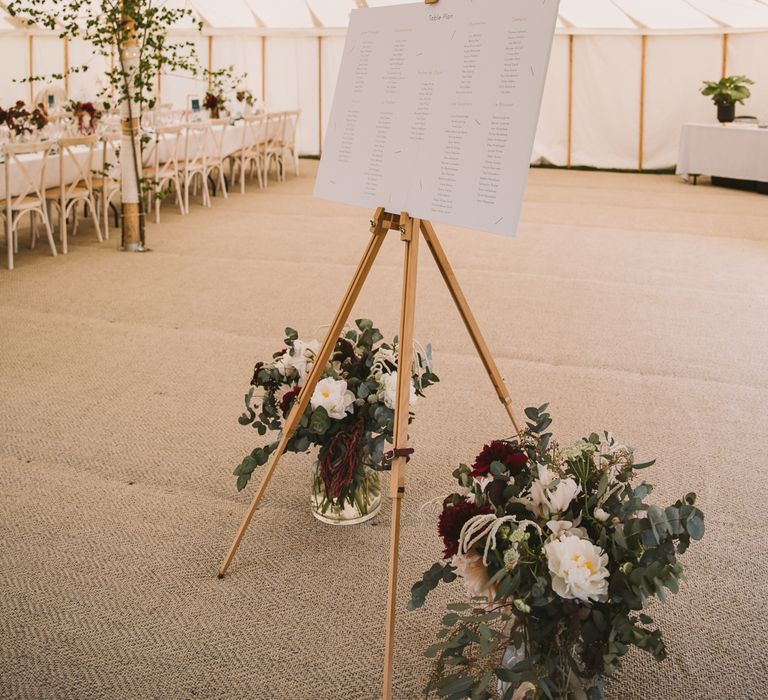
(436, 109)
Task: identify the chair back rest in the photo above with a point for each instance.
(291, 127)
(255, 131)
(29, 180)
(214, 135)
(194, 145)
(167, 146)
(77, 150)
(276, 127)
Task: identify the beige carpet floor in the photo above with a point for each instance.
(634, 303)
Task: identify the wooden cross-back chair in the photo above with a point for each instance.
(75, 187)
(164, 171)
(29, 184)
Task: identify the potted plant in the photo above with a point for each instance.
(725, 93)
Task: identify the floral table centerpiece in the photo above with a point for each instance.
(350, 418)
(86, 115)
(560, 553)
(21, 122)
(214, 103)
(245, 98)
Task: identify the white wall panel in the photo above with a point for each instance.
(551, 143)
(14, 56)
(85, 86)
(672, 95)
(748, 55)
(242, 52)
(606, 101)
(333, 48)
(47, 59)
(292, 82)
(176, 86)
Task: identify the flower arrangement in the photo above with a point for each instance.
(21, 121)
(350, 417)
(86, 115)
(560, 553)
(245, 96)
(214, 103)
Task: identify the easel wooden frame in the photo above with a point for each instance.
(410, 230)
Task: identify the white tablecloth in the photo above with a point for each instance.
(724, 150)
(233, 139)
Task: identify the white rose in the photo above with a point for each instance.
(333, 395)
(474, 575)
(389, 390)
(578, 569)
(554, 500)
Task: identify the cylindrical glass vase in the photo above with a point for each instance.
(362, 503)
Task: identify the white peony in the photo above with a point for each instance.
(300, 358)
(333, 395)
(474, 575)
(556, 500)
(578, 569)
(389, 390)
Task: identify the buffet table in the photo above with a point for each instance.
(732, 151)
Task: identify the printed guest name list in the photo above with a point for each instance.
(436, 109)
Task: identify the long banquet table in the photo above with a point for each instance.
(233, 141)
(735, 151)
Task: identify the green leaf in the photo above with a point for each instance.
(320, 421)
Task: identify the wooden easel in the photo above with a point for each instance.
(409, 229)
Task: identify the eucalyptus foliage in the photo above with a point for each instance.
(361, 368)
(568, 621)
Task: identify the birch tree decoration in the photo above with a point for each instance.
(135, 33)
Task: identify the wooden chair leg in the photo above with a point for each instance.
(49, 232)
(95, 219)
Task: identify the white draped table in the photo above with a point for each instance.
(233, 141)
(736, 151)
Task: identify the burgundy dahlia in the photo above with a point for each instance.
(452, 519)
(287, 401)
(514, 459)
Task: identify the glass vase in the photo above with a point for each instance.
(574, 687)
(362, 503)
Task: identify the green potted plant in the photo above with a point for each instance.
(725, 93)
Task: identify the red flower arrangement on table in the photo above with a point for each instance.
(21, 121)
(86, 115)
(214, 103)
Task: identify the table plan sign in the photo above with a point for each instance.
(436, 109)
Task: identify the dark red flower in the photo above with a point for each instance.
(452, 519)
(287, 401)
(511, 457)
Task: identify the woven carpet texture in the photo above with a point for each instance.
(633, 303)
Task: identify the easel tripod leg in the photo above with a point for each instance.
(469, 320)
(402, 412)
(318, 368)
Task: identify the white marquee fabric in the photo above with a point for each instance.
(624, 75)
